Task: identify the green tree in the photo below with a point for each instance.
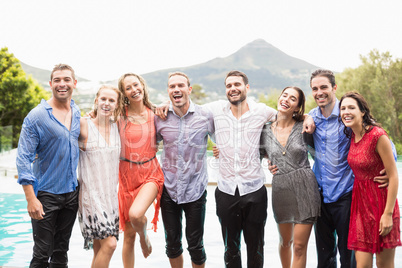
(270, 99)
(198, 94)
(379, 80)
(18, 93)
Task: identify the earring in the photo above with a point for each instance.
(126, 101)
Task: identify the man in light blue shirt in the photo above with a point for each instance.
(47, 161)
(334, 176)
(185, 135)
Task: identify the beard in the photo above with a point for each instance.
(237, 102)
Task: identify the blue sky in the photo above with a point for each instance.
(104, 39)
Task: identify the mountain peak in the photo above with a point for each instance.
(259, 43)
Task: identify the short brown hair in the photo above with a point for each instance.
(324, 73)
(182, 74)
(237, 73)
(62, 67)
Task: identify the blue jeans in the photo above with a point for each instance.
(52, 234)
(172, 214)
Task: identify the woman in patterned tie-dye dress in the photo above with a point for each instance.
(99, 142)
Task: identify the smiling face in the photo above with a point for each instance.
(107, 102)
(179, 92)
(62, 85)
(288, 101)
(133, 89)
(323, 92)
(350, 113)
(236, 90)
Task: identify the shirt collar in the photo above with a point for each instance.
(48, 107)
(191, 108)
(251, 105)
(335, 110)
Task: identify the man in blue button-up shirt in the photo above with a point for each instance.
(334, 176)
(47, 161)
(185, 135)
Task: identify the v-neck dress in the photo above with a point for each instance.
(138, 165)
(98, 213)
(295, 194)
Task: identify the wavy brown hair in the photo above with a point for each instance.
(368, 118)
(146, 100)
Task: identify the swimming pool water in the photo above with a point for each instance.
(15, 229)
(16, 237)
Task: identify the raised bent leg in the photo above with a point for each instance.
(143, 200)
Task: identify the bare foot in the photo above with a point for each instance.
(146, 246)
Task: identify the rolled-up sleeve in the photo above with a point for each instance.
(28, 142)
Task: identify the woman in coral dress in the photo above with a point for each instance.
(140, 175)
(375, 220)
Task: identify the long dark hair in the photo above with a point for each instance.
(299, 116)
(368, 118)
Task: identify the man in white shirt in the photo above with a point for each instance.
(241, 197)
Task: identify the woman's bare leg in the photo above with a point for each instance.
(96, 247)
(301, 235)
(386, 258)
(363, 259)
(128, 246)
(285, 243)
(142, 202)
(105, 252)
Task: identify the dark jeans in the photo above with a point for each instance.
(172, 214)
(51, 235)
(334, 223)
(247, 213)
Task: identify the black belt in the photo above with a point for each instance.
(138, 163)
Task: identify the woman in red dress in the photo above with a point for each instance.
(140, 175)
(375, 220)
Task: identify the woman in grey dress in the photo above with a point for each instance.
(295, 194)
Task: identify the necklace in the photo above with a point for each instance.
(282, 135)
(138, 118)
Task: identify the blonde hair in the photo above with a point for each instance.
(146, 100)
(119, 106)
